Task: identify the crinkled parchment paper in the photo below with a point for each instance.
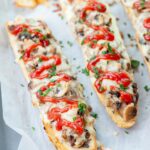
(20, 115)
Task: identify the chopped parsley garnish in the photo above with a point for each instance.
(62, 17)
(52, 80)
(94, 115)
(39, 60)
(104, 52)
(129, 35)
(110, 48)
(80, 21)
(37, 30)
(61, 44)
(98, 6)
(22, 85)
(33, 128)
(58, 85)
(82, 108)
(92, 58)
(122, 87)
(52, 71)
(85, 71)
(78, 67)
(44, 93)
(70, 43)
(95, 41)
(142, 2)
(126, 132)
(96, 72)
(82, 41)
(44, 37)
(74, 118)
(135, 64)
(147, 89)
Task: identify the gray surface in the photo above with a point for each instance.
(9, 139)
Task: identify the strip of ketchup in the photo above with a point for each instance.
(27, 54)
(18, 28)
(121, 78)
(106, 34)
(93, 63)
(55, 114)
(146, 24)
(38, 73)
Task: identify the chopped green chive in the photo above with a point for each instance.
(135, 64)
(122, 87)
(147, 89)
(70, 43)
(82, 108)
(85, 71)
(74, 118)
(94, 115)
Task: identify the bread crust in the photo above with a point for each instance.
(114, 115)
(133, 19)
(60, 145)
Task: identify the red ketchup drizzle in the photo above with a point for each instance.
(55, 114)
(121, 78)
(42, 42)
(106, 34)
(38, 73)
(139, 6)
(146, 24)
(26, 56)
(93, 63)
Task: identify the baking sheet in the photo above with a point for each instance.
(19, 114)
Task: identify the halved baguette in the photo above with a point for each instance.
(137, 18)
(65, 115)
(124, 116)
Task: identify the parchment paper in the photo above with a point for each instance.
(19, 114)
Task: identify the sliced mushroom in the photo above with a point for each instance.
(129, 112)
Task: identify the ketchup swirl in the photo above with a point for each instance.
(55, 114)
(93, 63)
(16, 30)
(146, 24)
(121, 78)
(106, 34)
(38, 72)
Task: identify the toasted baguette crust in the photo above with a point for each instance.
(133, 19)
(114, 116)
(59, 144)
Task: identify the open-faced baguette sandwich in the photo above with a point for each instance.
(139, 13)
(66, 116)
(29, 3)
(106, 58)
